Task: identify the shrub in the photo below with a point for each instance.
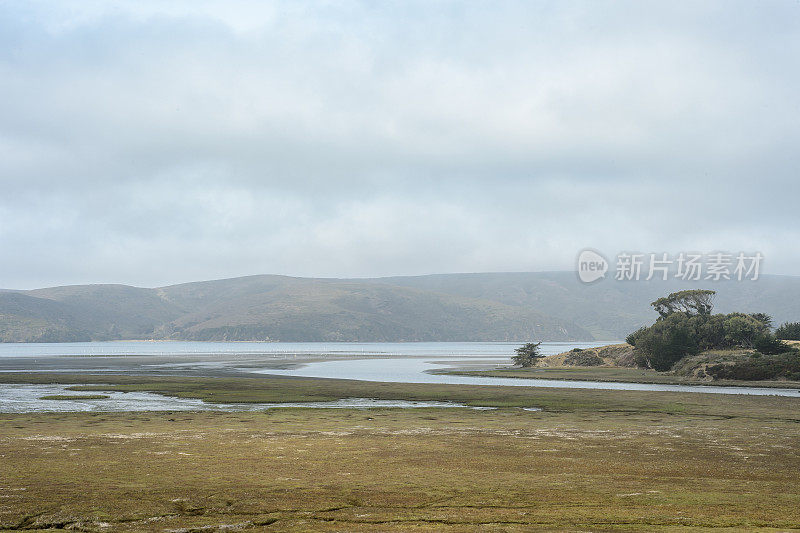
(768, 344)
(583, 358)
(785, 365)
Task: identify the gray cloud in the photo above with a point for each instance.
(148, 143)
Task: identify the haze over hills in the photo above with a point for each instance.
(611, 309)
(445, 307)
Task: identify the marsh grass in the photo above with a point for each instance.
(389, 469)
(268, 389)
(591, 460)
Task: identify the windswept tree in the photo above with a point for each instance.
(692, 302)
(528, 355)
(764, 318)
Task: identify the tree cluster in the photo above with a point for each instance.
(686, 327)
(790, 331)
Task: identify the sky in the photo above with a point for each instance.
(151, 143)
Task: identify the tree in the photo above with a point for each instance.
(691, 302)
(631, 338)
(667, 341)
(687, 327)
(742, 330)
(790, 331)
(767, 344)
(763, 318)
(528, 354)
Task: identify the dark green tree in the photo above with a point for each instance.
(691, 302)
(790, 331)
(528, 354)
(710, 331)
(686, 327)
(631, 338)
(666, 342)
(742, 330)
(763, 318)
(767, 344)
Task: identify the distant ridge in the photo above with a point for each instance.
(551, 306)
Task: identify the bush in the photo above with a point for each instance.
(583, 358)
(768, 344)
(785, 365)
(790, 331)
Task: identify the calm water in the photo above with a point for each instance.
(418, 371)
(279, 349)
(389, 362)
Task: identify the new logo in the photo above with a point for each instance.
(591, 266)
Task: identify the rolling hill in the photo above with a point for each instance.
(268, 308)
(444, 307)
(610, 309)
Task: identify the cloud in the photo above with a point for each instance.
(150, 143)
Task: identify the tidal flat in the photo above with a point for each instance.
(590, 460)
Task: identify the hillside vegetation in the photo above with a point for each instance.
(269, 308)
(449, 307)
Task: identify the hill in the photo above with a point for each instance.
(269, 308)
(610, 309)
(446, 307)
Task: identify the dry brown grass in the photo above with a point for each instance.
(387, 470)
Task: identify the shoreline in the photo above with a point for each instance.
(677, 381)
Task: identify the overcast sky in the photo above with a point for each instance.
(150, 143)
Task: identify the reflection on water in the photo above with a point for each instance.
(393, 362)
(418, 371)
(212, 358)
(281, 349)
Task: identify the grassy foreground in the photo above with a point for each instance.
(592, 460)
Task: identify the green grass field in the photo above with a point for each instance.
(589, 461)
